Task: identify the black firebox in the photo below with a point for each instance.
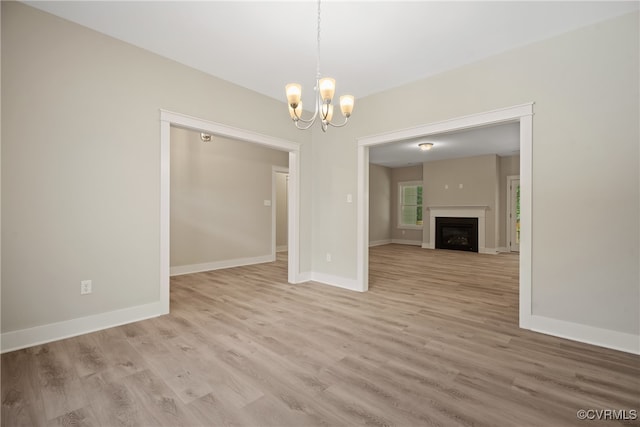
(460, 234)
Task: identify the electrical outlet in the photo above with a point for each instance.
(85, 287)
(328, 257)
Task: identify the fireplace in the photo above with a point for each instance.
(455, 233)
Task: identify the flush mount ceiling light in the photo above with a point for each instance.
(426, 146)
(325, 89)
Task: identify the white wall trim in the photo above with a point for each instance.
(490, 117)
(526, 236)
(487, 251)
(399, 224)
(165, 209)
(362, 217)
(337, 281)
(179, 270)
(522, 113)
(195, 123)
(282, 248)
(500, 249)
(587, 334)
(167, 119)
(23, 338)
(380, 242)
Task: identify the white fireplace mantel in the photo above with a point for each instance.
(458, 211)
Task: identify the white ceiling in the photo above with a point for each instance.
(503, 139)
(368, 46)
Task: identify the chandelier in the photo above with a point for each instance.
(325, 89)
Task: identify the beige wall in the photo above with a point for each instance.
(585, 87)
(281, 211)
(398, 175)
(508, 166)
(81, 164)
(379, 204)
(218, 189)
(479, 179)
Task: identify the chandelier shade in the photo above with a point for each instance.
(324, 93)
(294, 93)
(327, 89)
(346, 104)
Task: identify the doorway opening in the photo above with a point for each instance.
(169, 119)
(520, 113)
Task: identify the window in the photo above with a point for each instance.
(410, 205)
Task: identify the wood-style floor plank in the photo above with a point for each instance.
(435, 342)
(21, 395)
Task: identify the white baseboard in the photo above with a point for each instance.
(587, 334)
(282, 248)
(337, 281)
(23, 338)
(328, 279)
(502, 249)
(427, 246)
(218, 265)
(407, 242)
(379, 242)
(304, 277)
(490, 251)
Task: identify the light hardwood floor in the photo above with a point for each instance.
(434, 342)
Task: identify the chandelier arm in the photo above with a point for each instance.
(346, 119)
(311, 120)
(304, 127)
(315, 113)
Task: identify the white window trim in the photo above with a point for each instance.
(400, 225)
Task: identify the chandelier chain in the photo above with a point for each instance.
(318, 46)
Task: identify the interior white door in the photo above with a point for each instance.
(514, 216)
